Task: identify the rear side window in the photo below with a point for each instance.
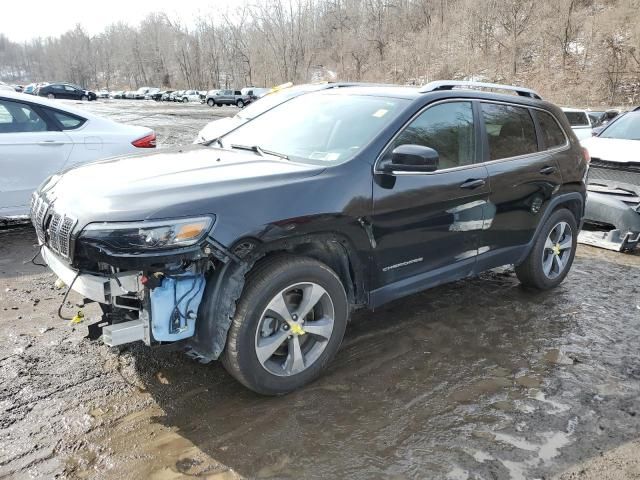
(577, 119)
(68, 122)
(552, 134)
(510, 131)
(16, 117)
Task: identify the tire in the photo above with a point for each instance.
(51, 96)
(218, 104)
(535, 271)
(185, 100)
(295, 279)
(84, 98)
(210, 102)
(239, 103)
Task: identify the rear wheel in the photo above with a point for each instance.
(288, 325)
(552, 254)
(185, 100)
(51, 96)
(84, 98)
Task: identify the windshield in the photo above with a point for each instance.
(318, 128)
(577, 119)
(626, 127)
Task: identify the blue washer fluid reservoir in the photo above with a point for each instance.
(174, 307)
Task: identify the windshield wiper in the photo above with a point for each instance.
(217, 140)
(259, 150)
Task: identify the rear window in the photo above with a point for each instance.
(552, 134)
(577, 119)
(510, 131)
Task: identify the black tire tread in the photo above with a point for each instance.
(257, 280)
(529, 272)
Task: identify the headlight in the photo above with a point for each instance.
(153, 235)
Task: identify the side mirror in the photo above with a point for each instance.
(412, 158)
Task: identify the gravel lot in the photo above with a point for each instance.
(479, 379)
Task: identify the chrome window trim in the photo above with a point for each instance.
(558, 149)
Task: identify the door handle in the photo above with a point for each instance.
(50, 143)
(473, 183)
(548, 170)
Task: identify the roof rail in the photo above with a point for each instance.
(451, 84)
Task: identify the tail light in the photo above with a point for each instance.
(148, 141)
(585, 155)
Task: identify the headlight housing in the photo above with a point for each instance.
(148, 236)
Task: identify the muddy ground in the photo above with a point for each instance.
(479, 379)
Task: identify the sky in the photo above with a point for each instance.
(21, 21)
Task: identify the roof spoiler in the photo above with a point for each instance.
(451, 84)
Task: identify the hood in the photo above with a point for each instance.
(217, 128)
(613, 149)
(175, 182)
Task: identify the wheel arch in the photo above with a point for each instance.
(226, 283)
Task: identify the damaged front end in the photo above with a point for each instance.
(613, 205)
(149, 277)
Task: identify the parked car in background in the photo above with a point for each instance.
(151, 92)
(130, 94)
(224, 125)
(257, 248)
(6, 88)
(104, 93)
(614, 184)
(166, 95)
(255, 92)
(189, 96)
(28, 89)
(66, 91)
(177, 96)
(228, 97)
(117, 94)
(579, 121)
(18, 88)
(39, 137)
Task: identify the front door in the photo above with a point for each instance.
(29, 152)
(426, 225)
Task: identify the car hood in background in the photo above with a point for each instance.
(582, 132)
(217, 128)
(613, 149)
(174, 182)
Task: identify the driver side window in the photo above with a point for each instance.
(447, 128)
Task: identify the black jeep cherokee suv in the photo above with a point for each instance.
(256, 247)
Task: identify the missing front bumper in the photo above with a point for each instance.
(605, 209)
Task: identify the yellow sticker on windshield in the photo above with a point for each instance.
(381, 113)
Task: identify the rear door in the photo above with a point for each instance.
(31, 149)
(523, 177)
(426, 225)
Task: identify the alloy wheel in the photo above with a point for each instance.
(557, 250)
(294, 329)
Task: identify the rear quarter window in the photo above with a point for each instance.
(67, 121)
(552, 134)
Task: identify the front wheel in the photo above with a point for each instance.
(552, 254)
(210, 102)
(84, 98)
(51, 96)
(240, 104)
(288, 325)
(185, 100)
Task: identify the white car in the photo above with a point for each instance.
(580, 122)
(7, 88)
(190, 96)
(39, 137)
